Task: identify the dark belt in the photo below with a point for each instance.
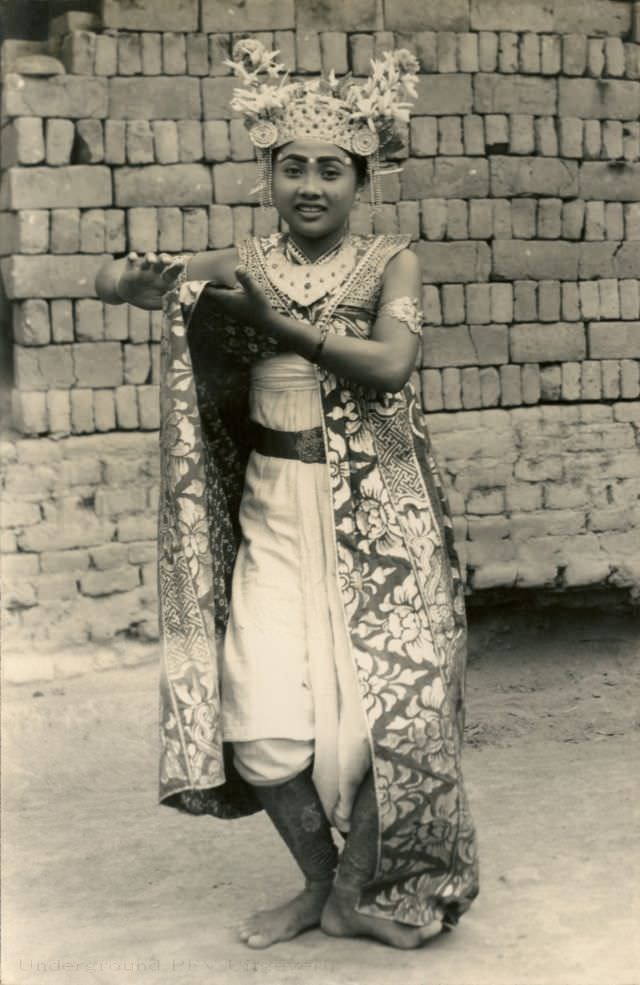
(304, 446)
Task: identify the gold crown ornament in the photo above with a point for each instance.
(360, 117)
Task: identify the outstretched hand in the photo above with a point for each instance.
(246, 304)
(145, 280)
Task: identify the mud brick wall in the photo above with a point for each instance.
(520, 191)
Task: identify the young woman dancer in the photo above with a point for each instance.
(311, 603)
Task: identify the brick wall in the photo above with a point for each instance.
(520, 190)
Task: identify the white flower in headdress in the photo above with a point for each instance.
(406, 62)
(382, 99)
(251, 59)
(257, 99)
(262, 101)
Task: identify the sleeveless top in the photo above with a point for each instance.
(349, 296)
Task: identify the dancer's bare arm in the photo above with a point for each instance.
(144, 280)
(384, 361)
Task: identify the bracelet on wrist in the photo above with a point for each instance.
(317, 352)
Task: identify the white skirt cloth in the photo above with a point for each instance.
(287, 669)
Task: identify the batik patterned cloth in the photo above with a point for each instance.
(398, 574)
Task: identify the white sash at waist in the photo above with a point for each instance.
(289, 371)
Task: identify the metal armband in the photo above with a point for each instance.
(405, 310)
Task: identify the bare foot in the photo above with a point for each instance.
(339, 919)
(284, 922)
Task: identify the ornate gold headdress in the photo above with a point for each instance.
(361, 118)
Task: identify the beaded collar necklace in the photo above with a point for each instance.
(297, 254)
(304, 281)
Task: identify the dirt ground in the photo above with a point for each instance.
(102, 886)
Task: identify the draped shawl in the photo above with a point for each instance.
(399, 581)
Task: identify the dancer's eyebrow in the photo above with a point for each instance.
(311, 160)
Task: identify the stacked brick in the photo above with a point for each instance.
(545, 495)
(79, 539)
(520, 187)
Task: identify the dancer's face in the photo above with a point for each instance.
(314, 188)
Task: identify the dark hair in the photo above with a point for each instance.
(360, 164)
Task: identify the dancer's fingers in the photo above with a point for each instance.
(248, 283)
(171, 271)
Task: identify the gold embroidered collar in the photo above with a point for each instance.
(302, 281)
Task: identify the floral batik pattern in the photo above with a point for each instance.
(204, 450)
(398, 577)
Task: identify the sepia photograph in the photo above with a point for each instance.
(320, 492)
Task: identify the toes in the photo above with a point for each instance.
(258, 941)
(432, 930)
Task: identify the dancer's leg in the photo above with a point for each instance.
(356, 869)
(296, 811)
